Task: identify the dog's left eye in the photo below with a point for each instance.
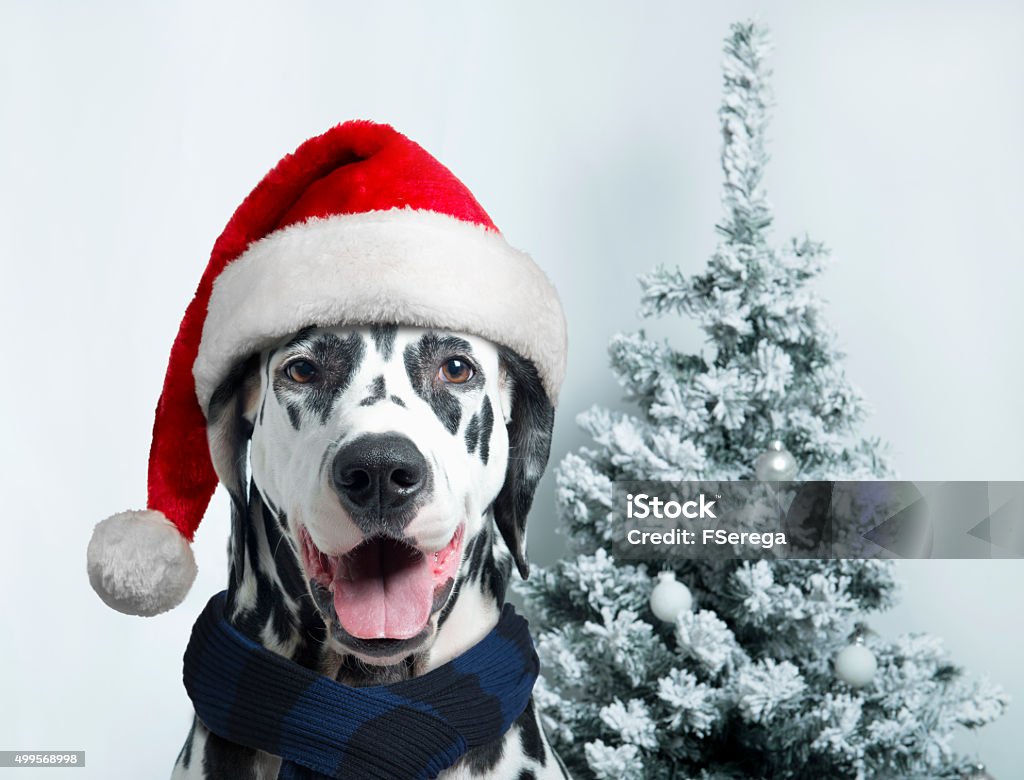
(301, 371)
(455, 371)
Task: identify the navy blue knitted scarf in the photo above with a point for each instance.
(324, 729)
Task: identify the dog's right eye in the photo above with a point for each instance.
(301, 371)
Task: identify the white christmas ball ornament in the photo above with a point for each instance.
(775, 465)
(856, 665)
(670, 597)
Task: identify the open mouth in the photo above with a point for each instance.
(384, 588)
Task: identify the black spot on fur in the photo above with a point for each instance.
(384, 339)
(246, 536)
(529, 434)
(228, 447)
(227, 759)
(289, 573)
(529, 735)
(263, 401)
(483, 759)
(527, 774)
(338, 360)
(265, 526)
(397, 401)
(236, 546)
(280, 619)
(377, 392)
(278, 514)
(421, 362)
(482, 566)
(226, 393)
(294, 415)
(486, 427)
(227, 414)
(472, 432)
(479, 546)
(498, 572)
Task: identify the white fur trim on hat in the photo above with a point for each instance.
(139, 563)
(401, 266)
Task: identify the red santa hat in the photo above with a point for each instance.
(359, 225)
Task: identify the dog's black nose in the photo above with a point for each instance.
(379, 474)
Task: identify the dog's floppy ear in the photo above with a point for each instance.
(229, 425)
(529, 444)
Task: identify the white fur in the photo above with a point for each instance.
(400, 266)
(139, 563)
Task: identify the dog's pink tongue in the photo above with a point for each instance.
(383, 590)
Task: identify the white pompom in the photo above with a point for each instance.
(670, 597)
(139, 563)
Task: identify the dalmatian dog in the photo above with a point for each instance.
(382, 480)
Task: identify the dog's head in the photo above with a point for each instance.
(381, 450)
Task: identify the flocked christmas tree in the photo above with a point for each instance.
(771, 671)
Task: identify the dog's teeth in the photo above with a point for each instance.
(437, 556)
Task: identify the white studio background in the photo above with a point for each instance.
(131, 131)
